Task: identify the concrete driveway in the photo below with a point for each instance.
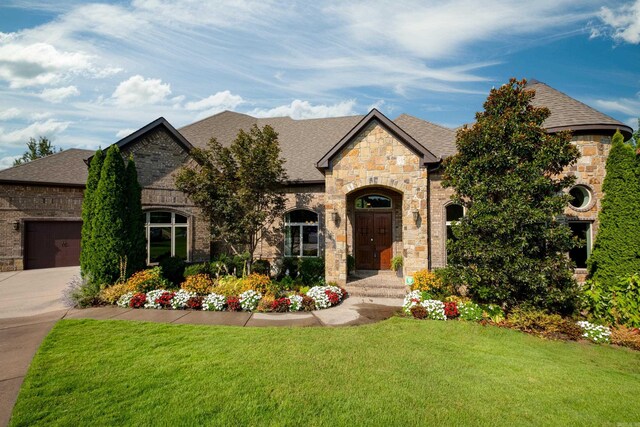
(33, 292)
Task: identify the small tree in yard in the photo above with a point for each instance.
(36, 150)
(510, 247)
(616, 253)
(136, 250)
(108, 226)
(239, 188)
(88, 212)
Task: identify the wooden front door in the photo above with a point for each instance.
(373, 239)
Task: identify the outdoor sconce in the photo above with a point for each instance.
(335, 217)
(416, 216)
(16, 225)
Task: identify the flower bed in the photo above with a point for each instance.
(316, 298)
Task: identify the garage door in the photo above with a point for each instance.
(52, 244)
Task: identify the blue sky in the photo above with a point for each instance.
(86, 74)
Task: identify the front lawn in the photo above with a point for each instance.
(398, 372)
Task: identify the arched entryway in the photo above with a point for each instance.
(375, 229)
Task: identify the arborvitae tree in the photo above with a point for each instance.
(86, 253)
(510, 247)
(616, 252)
(136, 241)
(109, 228)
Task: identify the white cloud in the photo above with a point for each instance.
(47, 128)
(377, 105)
(7, 162)
(124, 132)
(35, 64)
(304, 110)
(59, 94)
(626, 106)
(10, 113)
(622, 24)
(220, 101)
(137, 91)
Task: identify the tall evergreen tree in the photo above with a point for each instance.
(136, 240)
(86, 253)
(109, 228)
(510, 248)
(616, 252)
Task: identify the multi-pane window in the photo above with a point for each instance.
(454, 213)
(167, 235)
(301, 233)
(580, 254)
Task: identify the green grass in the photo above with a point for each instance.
(398, 372)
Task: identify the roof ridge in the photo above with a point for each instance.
(426, 121)
(41, 158)
(214, 115)
(312, 118)
(534, 81)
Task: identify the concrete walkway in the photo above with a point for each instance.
(20, 337)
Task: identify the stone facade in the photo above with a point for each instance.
(375, 159)
(22, 203)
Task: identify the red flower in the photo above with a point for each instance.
(164, 300)
(138, 300)
(334, 297)
(451, 309)
(233, 304)
(281, 305)
(194, 303)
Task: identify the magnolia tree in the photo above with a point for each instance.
(238, 188)
(511, 246)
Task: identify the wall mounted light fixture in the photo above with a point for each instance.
(416, 216)
(335, 217)
(16, 225)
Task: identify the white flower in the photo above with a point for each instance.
(123, 301)
(151, 298)
(296, 302)
(249, 300)
(595, 333)
(214, 302)
(412, 299)
(435, 309)
(180, 299)
(319, 295)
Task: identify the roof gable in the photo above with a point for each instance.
(375, 115)
(159, 122)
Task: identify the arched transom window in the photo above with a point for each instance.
(301, 233)
(167, 235)
(373, 201)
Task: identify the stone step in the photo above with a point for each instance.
(376, 292)
(367, 284)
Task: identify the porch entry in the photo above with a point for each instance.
(373, 240)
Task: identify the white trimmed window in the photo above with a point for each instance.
(167, 235)
(301, 233)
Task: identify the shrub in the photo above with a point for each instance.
(494, 312)
(419, 312)
(425, 280)
(249, 300)
(308, 303)
(281, 305)
(195, 303)
(136, 244)
(200, 284)
(172, 269)
(627, 337)
(617, 303)
(396, 263)
(597, 333)
(540, 323)
(86, 254)
(233, 303)
(195, 269)
(261, 266)
(229, 285)
(138, 300)
(147, 280)
(287, 266)
(470, 311)
(451, 310)
(214, 302)
(257, 282)
(266, 303)
(81, 293)
(311, 270)
(111, 294)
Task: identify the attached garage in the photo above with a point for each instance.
(50, 244)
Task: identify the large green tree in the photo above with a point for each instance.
(239, 188)
(36, 150)
(136, 250)
(93, 179)
(108, 226)
(511, 246)
(616, 252)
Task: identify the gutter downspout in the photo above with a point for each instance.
(429, 172)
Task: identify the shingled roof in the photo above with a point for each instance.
(64, 168)
(570, 114)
